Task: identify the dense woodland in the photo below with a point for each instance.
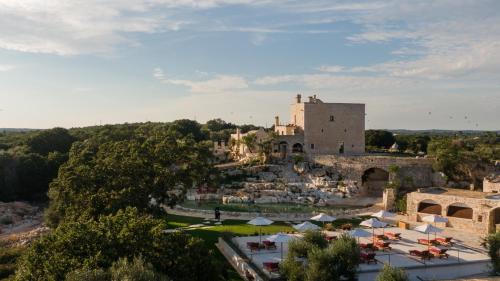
(104, 185)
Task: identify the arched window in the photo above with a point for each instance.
(297, 148)
(459, 210)
(429, 207)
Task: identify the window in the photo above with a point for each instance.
(345, 130)
(480, 218)
(332, 118)
(312, 145)
(322, 130)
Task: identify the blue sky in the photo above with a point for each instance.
(415, 64)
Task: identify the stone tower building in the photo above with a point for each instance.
(317, 127)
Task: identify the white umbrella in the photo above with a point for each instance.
(322, 217)
(260, 221)
(383, 214)
(373, 223)
(428, 228)
(358, 232)
(305, 226)
(280, 238)
(434, 218)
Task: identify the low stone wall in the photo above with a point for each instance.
(241, 265)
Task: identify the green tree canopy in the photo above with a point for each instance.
(379, 138)
(57, 139)
(101, 178)
(389, 273)
(97, 244)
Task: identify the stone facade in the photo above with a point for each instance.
(492, 183)
(323, 128)
(466, 210)
(369, 170)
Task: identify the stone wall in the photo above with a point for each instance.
(483, 217)
(413, 172)
(491, 184)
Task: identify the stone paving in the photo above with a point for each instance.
(460, 253)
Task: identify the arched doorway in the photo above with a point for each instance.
(459, 210)
(374, 181)
(297, 148)
(429, 207)
(494, 220)
(283, 149)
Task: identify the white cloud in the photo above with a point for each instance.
(215, 85)
(4, 67)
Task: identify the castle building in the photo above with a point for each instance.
(317, 127)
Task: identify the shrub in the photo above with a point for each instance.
(137, 270)
(315, 238)
(298, 248)
(292, 269)
(7, 270)
(492, 243)
(389, 273)
(87, 274)
(320, 265)
(346, 253)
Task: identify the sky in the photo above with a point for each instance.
(415, 64)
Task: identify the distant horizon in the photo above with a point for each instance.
(414, 64)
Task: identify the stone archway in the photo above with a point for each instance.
(297, 148)
(459, 210)
(429, 207)
(374, 181)
(494, 220)
(283, 149)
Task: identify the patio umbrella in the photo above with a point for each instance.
(373, 223)
(382, 215)
(428, 228)
(305, 226)
(280, 238)
(434, 219)
(260, 221)
(322, 217)
(358, 232)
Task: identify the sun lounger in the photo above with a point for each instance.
(444, 241)
(253, 246)
(382, 246)
(439, 253)
(268, 245)
(271, 266)
(366, 246)
(421, 254)
(393, 236)
(368, 257)
(426, 242)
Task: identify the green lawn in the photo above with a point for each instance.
(238, 228)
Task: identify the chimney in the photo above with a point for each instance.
(298, 98)
(311, 100)
(238, 133)
(276, 121)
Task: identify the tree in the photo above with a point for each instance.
(389, 273)
(346, 253)
(321, 265)
(57, 139)
(186, 127)
(137, 270)
(101, 178)
(250, 140)
(492, 243)
(127, 234)
(379, 138)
